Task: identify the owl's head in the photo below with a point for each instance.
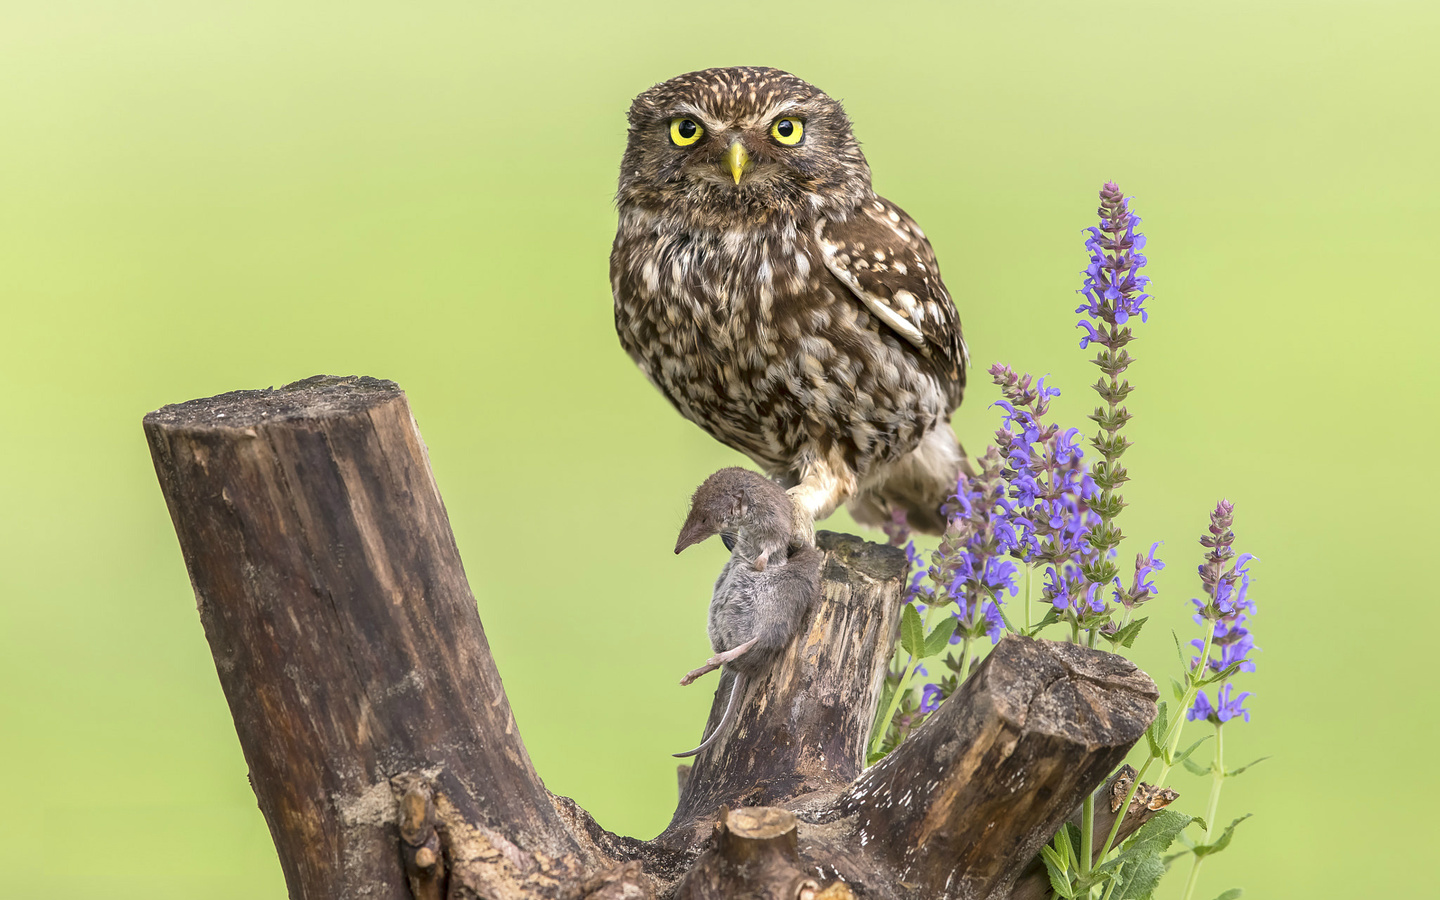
(722, 147)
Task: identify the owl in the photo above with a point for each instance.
(779, 303)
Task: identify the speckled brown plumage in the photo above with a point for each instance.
(779, 303)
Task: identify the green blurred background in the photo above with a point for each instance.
(195, 199)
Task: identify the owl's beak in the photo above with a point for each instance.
(736, 159)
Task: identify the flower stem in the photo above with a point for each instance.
(1170, 741)
(1190, 692)
(965, 658)
(1217, 781)
(901, 690)
(1029, 571)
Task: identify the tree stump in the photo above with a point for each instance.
(387, 763)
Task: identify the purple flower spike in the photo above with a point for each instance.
(1226, 580)
(1046, 510)
(1114, 289)
(969, 568)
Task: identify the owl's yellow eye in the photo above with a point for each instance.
(788, 130)
(684, 132)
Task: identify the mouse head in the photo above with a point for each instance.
(732, 499)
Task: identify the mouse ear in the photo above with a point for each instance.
(740, 504)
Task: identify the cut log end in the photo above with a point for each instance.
(317, 397)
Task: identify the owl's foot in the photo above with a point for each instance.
(802, 534)
(718, 660)
(824, 485)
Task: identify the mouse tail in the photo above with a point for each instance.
(735, 690)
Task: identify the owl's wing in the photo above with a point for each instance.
(886, 260)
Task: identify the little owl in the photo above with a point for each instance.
(782, 305)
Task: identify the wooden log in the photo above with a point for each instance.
(802, 727)
(388, 765)
(343, 630)
(754, 853)
(968, 799)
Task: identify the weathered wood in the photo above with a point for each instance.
(802, 727)
(419, 841)
(969, 798)
(343, 630)
(387, 763)
(754, 853)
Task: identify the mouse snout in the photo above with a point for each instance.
(693, 533)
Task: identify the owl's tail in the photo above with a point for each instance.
(919, 483)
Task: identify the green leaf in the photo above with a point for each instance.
(1142, 868)
(1183, 755)
(1063, 845)
(1233, 772)
(1140, 879)
(1220, 675)
(1197, 770)
(1059, 880)
(1178, 688)
(1155, 734)
(1232, 894)
(939, 639)
(1184, 657)
(912, 632)
(1156, 835)
(887, 691)
(1223, 841)
(1052, 615)
(1126, 636)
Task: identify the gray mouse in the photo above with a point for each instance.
(766, 586)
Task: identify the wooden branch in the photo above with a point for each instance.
(344, 633)
(802, 728)
(754, 853)
(969, 798)
(387, 763)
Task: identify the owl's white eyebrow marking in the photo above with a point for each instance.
(690, 109)
(769, 113)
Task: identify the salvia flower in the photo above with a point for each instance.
(1231, 646)
(1114, 292)
(1227, 706)
(1114, 288)
(1227, 604)
(1047, 505)
(1226, 583)
(1142, 587)
(897, 529)
(969, 567)
(916, 592)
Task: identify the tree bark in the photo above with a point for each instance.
(387, 763)
(343, 630)
(802, 728)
